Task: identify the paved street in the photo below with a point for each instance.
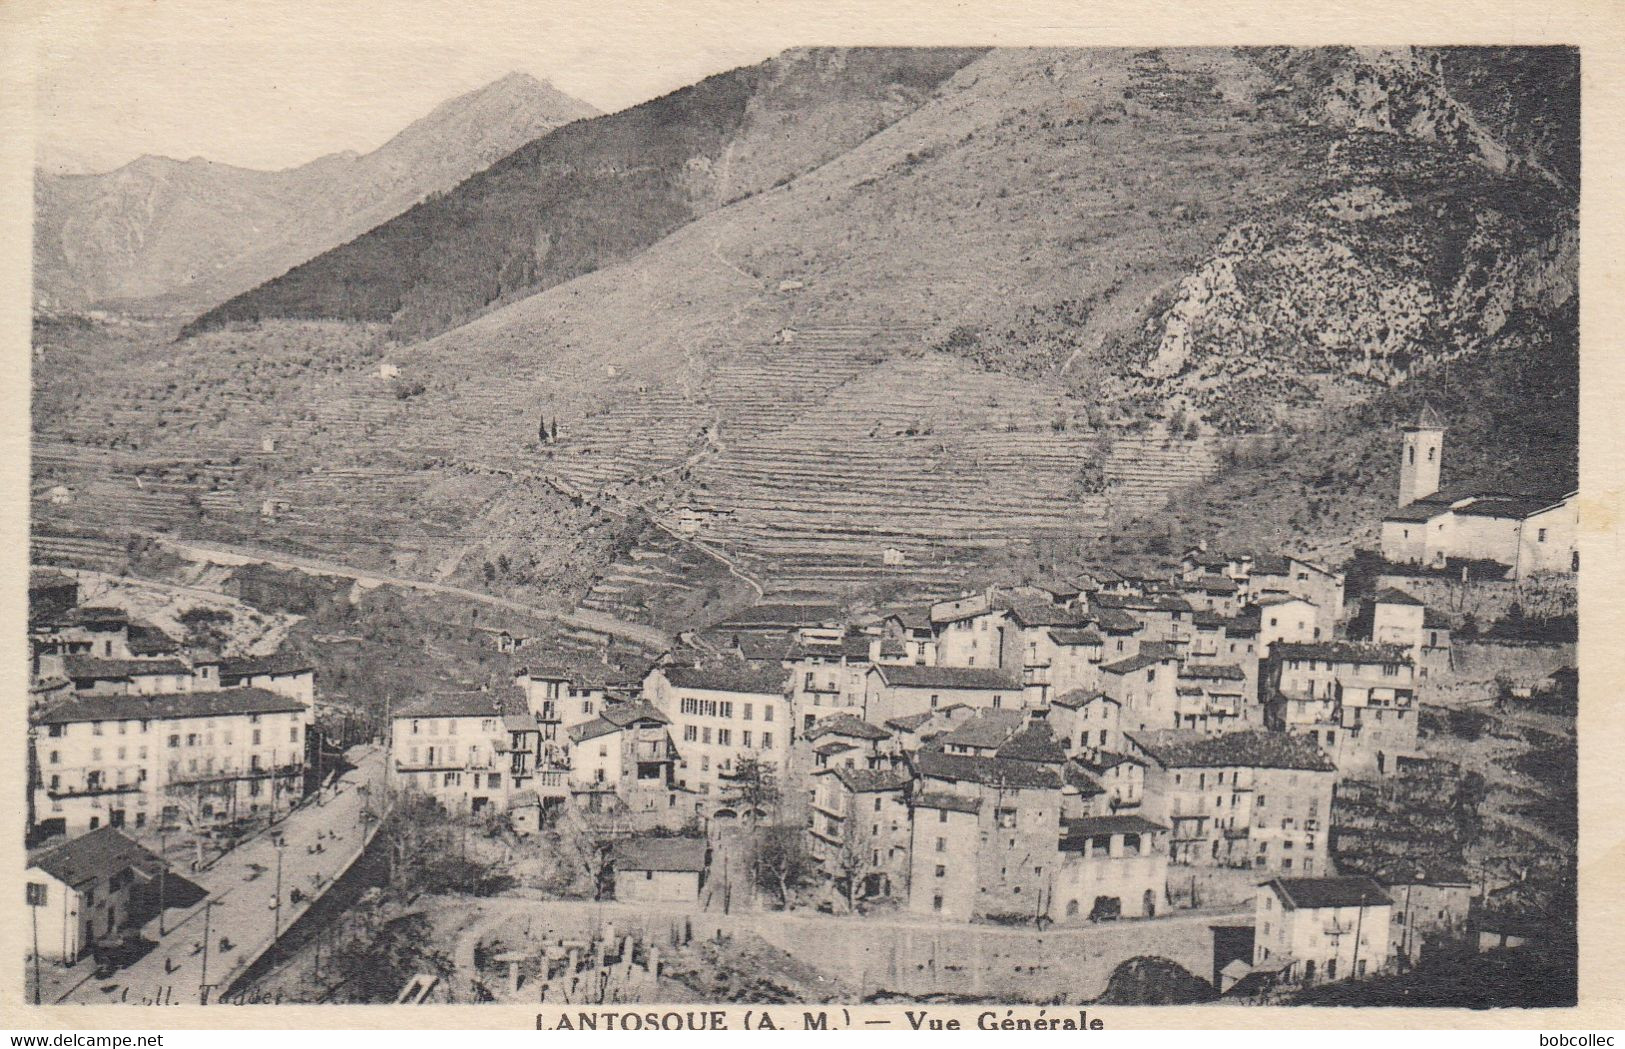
(241, 888)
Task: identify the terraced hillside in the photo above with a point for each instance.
(924, 347)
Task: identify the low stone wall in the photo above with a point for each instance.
(1487, 600)
(881, 954)
(1016, 964)
(1524, 663)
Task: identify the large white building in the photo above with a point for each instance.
(1317, 930)
(719, 716)
(1528, 533)
(198, 757)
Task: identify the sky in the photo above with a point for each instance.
(271, 85)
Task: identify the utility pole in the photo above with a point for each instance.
(276, 921)
(203, 978)
(1354, 962)
(163, 871)
(36, 900)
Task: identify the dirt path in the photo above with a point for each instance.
(598, 622)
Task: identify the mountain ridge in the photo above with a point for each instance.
(161, 234)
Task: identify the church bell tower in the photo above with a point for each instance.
(1421, 456)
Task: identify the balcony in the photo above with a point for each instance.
(229, 775)
(93, 790)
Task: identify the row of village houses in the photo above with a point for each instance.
(993, 756)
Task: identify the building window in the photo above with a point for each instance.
(767, 739)
(942, 844)
(1540, 536)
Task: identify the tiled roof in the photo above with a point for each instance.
(473, 703)
(941, 799)
(1511, 507)
(88, 614)
(1182, 748)
(1139, 661)
(909, 676)
(1075, 832)
(1036, 743)
(912, 618)
(1213, 584)
(1271, 564)
(591, 730)
(623, 714)
(1075, 636)
(1116, 621)
(82, 667)
(847, 725)
(1106, 760)
(1142, 602)
(147, 640)
(1043, 613)
(586, 673)
(988, 728)
(910, 722)
(660, 854)
(1243, 626)
(1364, 652)
(1000, 772)
(1420, 510)
(735, 678)
(42, 578)
(98, 854)
(275, 665)
(203, 704)
(1312, 893)
(1271, 600)
(1079, 697)
(867, 781)
(1392, 595)
(1082, 780)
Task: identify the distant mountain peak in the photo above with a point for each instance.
(199, 231)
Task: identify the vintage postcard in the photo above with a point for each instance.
(693, 516)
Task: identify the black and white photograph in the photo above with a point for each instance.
(533, 510)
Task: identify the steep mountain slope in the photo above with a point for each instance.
(195, 232)
(1035, 305)
(603, 190)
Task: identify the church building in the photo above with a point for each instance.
(1529, 534)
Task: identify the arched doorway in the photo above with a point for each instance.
(1071, 908)
(1150, 904)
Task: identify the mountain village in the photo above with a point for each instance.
(874, 525)
(1114, 748)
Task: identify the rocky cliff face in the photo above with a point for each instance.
(1427, 233)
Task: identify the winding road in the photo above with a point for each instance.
(585, 619)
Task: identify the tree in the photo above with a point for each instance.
(555, 432)
(193, 805)
(782, 863)
(754, 787)
(851, 864)
(591, 839)
(541, 431)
